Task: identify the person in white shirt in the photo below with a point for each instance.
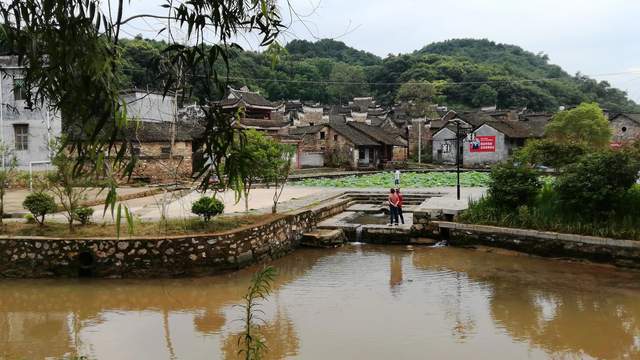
(397, 178)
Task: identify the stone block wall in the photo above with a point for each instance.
(624, 253)
(155, 165)
(150, 257)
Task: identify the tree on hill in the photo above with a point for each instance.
(586, 124)
(418, 96)
(345, 82)
(485, 96)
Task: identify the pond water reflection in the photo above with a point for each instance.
(356, 302)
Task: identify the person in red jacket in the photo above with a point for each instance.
(393, 207)
(399, 208)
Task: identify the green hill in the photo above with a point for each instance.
(467, 73)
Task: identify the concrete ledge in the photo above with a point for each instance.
(625, 253)
(542, 235)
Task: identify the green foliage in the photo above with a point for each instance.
(485, 96)
(419, 95)
(67, 183)
(597, 182)
(256, 158)
(303, 70)
(345, 82)
(512, 186)
(29, 219)
(207, 207)
(546, 214)
(550, 153)
(252, 346)
(39, 205)
(586, 124)
(407, 179)
(331, 49)
(83, 215)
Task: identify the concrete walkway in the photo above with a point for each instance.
(177, 204)
(13, 199)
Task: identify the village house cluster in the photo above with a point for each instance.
(358, 135)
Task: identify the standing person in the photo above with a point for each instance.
(399, 209)
(396, 177)
(393, 207)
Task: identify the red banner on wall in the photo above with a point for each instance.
(483, 144)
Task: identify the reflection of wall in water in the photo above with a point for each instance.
(23, 331)
(560, 314)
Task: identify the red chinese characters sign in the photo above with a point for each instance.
(483, 144)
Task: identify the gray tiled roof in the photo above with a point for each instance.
(377, 134)
(249, 98)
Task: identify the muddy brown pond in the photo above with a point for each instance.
(358, 302)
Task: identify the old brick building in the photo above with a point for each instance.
(625, 127)
(157, 160)
(340, 143)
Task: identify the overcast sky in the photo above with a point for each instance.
(591, 36)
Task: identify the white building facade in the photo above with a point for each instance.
(26, 134)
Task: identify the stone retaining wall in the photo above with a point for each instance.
(156, 257)
(613, 251)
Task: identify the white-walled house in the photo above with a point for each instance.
(149, 106)
(26, 133)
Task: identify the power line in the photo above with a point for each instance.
(373, 84)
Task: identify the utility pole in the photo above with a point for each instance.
(419, 143)
(458, 157)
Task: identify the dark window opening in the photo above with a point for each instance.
(624, 129)
(361, 154)
(335, 137)
(18, 89)
(165, 150)
(21, 132)
(310, 124)
(321, 135)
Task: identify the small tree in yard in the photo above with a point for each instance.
(207, 207)
(278, 171)
(252, 159)
(7, 173)
(67, 184)
(513, 185)
(39, 205)
(261, 158)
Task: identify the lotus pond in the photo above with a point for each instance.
(407, 180)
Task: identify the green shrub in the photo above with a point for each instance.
(512, 185)
(550, 153)
(29, 219)
(207, 207)
(597, 183)
(39, 205)
(83, 215)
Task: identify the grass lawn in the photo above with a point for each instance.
(407, 180)
(171, 227)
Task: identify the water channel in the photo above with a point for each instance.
(360, 301)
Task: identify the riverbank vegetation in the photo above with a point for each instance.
(163, 228)
(595, 192)
(407, 180)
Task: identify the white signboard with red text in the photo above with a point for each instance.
(483, 144)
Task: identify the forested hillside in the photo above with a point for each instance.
(465, 73)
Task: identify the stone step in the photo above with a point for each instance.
(324, 238)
